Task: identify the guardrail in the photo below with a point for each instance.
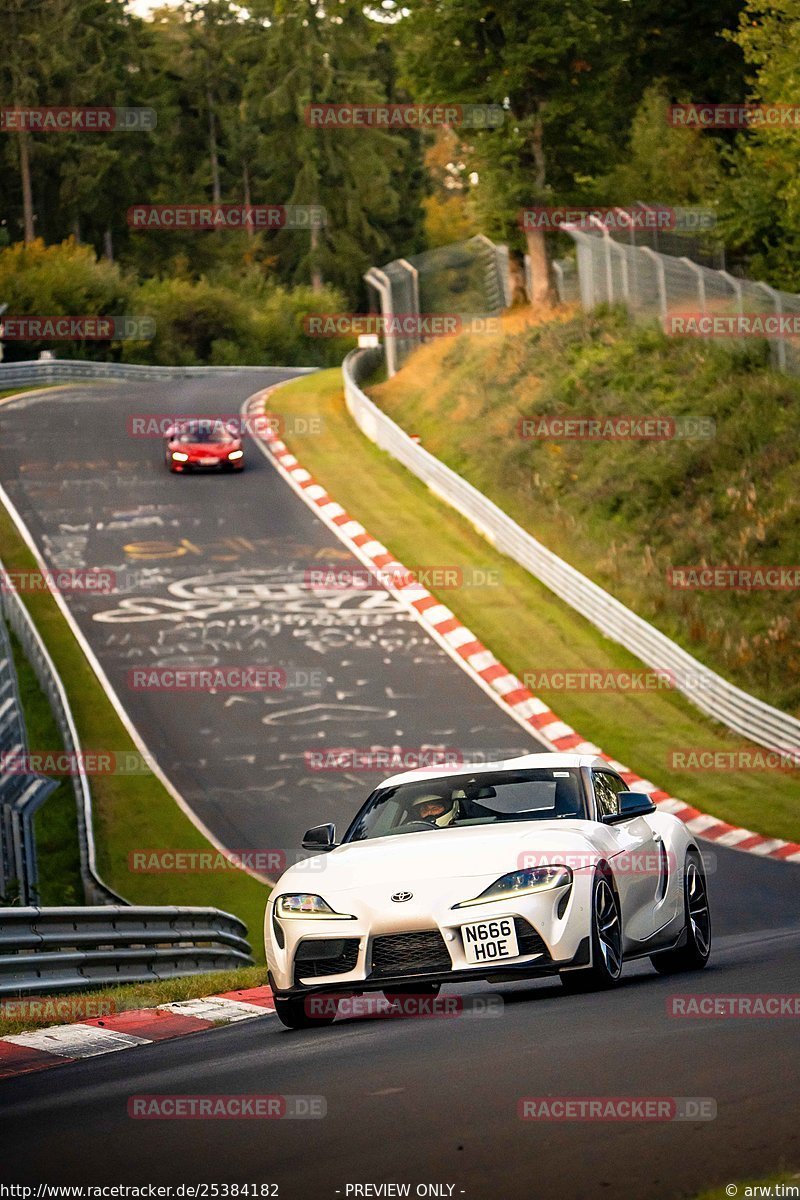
(63, 370)
(18, 617)
(44, 950)
(713, 695)
(21, 793)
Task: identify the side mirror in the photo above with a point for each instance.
(321, 837)
(631, 804)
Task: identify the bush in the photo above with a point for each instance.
(62, 280)
(235, 318)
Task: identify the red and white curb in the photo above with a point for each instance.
(23, 1053)
(474, 658)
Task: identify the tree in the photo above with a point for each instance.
(569, 76)
(312, 54)
(761, 203)
(37, 42)
(666, 164)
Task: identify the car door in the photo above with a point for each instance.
(637, 858)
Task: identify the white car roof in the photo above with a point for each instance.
(547, 759)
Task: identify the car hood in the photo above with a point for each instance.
(205, 449)
(440, 855)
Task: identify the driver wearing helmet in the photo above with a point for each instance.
(434, 809)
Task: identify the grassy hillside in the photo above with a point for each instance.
(625, 512)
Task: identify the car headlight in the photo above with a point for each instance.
(235, 454)
(179, 456)
(300, 904)
(522, 883)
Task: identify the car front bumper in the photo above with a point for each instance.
(386, 951)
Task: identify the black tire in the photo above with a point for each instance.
(606, 967)
(694, 954)
(419, 989)
(294, 1012)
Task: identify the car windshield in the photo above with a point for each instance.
(203, 431)
(457, 801)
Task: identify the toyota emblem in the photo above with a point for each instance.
(401, 897)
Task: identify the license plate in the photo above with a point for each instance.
(208, 462)
(488, 941)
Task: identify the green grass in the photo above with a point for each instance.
(16, 1017)
(525, 625)
(55, 824)
(35, 387)
(624, 512)
(130, 811)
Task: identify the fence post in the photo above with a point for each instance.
(623, 263)
(529, 276)
(697, 270)
(415, 339)
(775, 296)
(736, 284)
(609, 268)
(662, 282)
(558, 271)
(377, 279)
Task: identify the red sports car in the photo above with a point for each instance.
(203, 445)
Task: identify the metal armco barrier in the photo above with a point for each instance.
(44, 950)
(18, 618)
(713, 695)
(21, 794)
(63, 370)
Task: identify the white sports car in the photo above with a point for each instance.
(539, 865)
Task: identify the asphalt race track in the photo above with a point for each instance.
(213, 571)
(422, 1102)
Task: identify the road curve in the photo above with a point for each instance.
(421, 1102)
(214, 571)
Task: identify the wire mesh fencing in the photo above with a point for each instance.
(464, 279)
(685, 296)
